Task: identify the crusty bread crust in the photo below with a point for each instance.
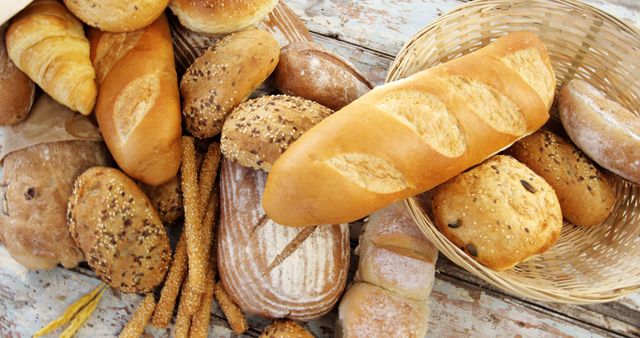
(410, 135)
(117, 15)
(138, 106)
(17, 91)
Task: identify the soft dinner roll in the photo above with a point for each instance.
(117, 15)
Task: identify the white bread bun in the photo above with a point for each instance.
(603, 129)
(117, 15)
(138, 106)
(411, 135)
(220, 16)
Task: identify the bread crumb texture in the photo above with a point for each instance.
(494, 108)
(428, 117)
(369, 172)
(529, 64)
(499, 212)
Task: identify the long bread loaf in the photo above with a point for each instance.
(411, 135)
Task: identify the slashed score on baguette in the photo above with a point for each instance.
(409, 136)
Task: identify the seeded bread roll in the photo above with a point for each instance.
(167, 199)
(605, 130)
(260, 130)
(500, 212)
(285, 329)
(308, 70)
(117, 15)
(585, 194)
(223, 77)
(220, 16)
(118, 230)
(408, 136)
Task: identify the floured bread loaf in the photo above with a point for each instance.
(270, 269)
(410, 135)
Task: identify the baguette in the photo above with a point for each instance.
(138, 108)
(48, 43)
(411, 135)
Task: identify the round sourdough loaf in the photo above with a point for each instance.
(606, 131)
(500, 212)
(585, 193)
(220, 16)
(258, 131)
(117, 15)
(118, 230)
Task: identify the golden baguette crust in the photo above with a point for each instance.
(409, 136)
(48, 43)
(138, 106)
(117, 15)
(270, 269)
(220, 16)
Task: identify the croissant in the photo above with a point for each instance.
(48, 43)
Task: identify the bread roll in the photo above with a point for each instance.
(308, 70)
(36, 186)
(409, 136)
(298, 273)
(285, 329)
(118, 230)
(500, 213)
(17, 91)
(220, 16)
(258, 131)
(369, 311)
(394, 279)
(606, 131)
(223, 77)
(117, 15)
(47, 43)
(138, 106)
(167, 199)
(585, 194)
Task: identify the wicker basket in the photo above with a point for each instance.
(586, 265)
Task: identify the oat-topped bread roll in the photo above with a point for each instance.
(258, 131)
(500, 212)
(605, 130)
(270, 269)
(220, 16)
(585, 193)
(47, 43)
(117, 15)
(17, 91)
(138, 106)
(408, 136)
(118, 230)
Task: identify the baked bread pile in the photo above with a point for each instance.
(287, 172)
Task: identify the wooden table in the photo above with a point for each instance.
(369, 33)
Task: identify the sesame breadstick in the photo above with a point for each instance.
(183, 317)
(200, 320)
(135, 326)
(234, 315)
(169, 294)
(195, 249)
(208, 172)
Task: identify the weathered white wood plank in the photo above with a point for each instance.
(384, 25)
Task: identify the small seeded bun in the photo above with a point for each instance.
(285, 329)
(258, 131)
(500, 212)
(167, 199)
(220, 16)
(118, 230)
(117, 15)
(585, 194)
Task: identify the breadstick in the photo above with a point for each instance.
(208, 172)
(234, 315)
(137, 323)
(200, 320)
(82, 317)
(71, 312)
(169, 294)
(195, 249)
(183, 318)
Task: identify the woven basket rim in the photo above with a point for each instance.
(456, 255)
